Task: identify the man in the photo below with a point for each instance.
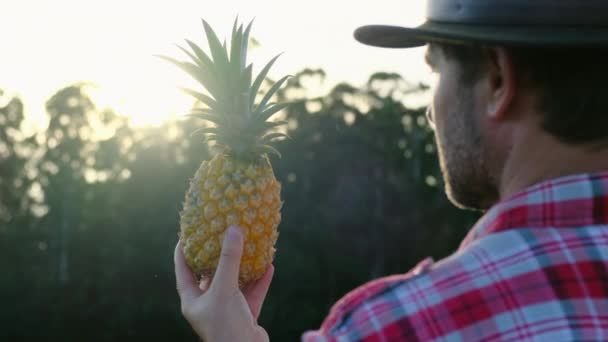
(520, 112)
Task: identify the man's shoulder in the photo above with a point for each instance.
(503, 273)
(451, 273)
(376, 289)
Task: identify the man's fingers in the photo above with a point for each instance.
(187, 286)
(227, 273)
(256, 293)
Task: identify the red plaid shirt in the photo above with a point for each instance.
(534, 268)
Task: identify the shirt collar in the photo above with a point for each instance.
(566, 202)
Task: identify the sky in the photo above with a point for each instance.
(47, 45)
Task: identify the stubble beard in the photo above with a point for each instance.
(463, 158)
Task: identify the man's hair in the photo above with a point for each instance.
(571, 85)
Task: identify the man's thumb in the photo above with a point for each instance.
(227, 273)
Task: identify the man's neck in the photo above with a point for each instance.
(537, 157)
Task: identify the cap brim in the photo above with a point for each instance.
(404, 37)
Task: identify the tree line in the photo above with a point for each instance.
(89, 210)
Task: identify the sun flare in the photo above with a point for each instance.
(112, 44)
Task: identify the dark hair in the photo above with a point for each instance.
(571, 84)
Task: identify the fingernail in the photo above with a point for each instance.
(233, 232)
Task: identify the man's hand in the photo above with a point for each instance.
(217, 309)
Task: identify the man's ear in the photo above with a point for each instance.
(500, 82)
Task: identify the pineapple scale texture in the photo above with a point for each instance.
(222, 193)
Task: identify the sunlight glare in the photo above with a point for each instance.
(113, 43)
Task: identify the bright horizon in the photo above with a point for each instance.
(112, 44)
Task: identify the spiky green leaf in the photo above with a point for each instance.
(192, 56)
(244, 44)
(211, 137)
(216, 119)
(269, 150)
(202, 56)
(199, 72)
(235, 75)
(275, 87)
(269, 138)
(234, 26)
(272, 124)
(260, 78)
(205, 131)
(218, 52)
(201, 97)
(235, 49)
(196, 111)
(216, 75)
(191, 69)
(266, 114)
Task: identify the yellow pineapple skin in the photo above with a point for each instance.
(225, 192)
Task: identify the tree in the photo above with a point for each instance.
(360, 180)
(15, 148)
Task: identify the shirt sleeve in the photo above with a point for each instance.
(332, 330)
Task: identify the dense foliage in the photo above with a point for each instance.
(89, 211)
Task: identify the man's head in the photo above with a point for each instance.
(485, 97)
(521, 94)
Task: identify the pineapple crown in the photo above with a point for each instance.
(241, 125)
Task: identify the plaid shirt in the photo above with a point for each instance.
(534, 268)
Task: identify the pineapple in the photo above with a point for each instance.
(237, 186)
